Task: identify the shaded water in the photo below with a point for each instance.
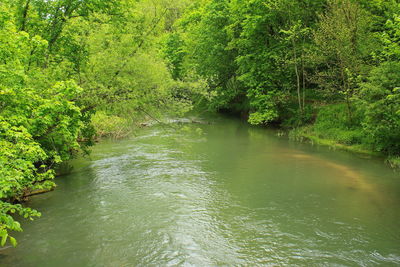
(231, 195)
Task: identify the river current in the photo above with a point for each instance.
(219, 194)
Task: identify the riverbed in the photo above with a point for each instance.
(218, 194)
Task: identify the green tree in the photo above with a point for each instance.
(379, 99)
(39, 127)
(342, 41)
(206, 37)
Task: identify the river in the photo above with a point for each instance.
(211, 195)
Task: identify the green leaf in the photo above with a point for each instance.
(13, 241)
(4, 239)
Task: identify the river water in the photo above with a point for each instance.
(224, 194)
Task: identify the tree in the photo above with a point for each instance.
(39, 127)
(206, 36)
(379, 99)
(296, 36)
(341, 40)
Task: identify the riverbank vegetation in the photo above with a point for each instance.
(72, 71)
(329, 69)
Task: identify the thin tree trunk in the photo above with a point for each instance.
(297, 75)
(347, 92)
(350, 113)
(303, 77)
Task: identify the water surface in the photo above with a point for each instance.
(219, 194)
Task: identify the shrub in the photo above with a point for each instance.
(379, 100)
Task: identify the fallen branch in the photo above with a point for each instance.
(37, 192)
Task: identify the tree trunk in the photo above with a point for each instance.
(346, 90)
(24, 15)
(297, 75)
(303, 76)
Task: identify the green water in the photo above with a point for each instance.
(232, 195)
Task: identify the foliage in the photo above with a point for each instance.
(240, 48)
(69, 68)
(39, 127)
(380, 102)
(281, 59)
(111, 125)
(332, 123)
(174, 54)
(389, 38)
(206, 38)
(60, 62)
(341, 39)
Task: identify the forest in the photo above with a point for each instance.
(75, 71)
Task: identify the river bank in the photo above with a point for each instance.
(305, 134)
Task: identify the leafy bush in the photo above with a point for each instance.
(292, 117)
(110, 125)
(380, 101)
(333, 123)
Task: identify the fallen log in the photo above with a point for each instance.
(37, 192)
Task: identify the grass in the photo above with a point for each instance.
(306, 134)
(332, 128)
(394, 162)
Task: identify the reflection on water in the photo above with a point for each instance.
(345, 176)
(234, 195)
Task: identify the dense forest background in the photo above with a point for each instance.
(330, 64)
(72, 71)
